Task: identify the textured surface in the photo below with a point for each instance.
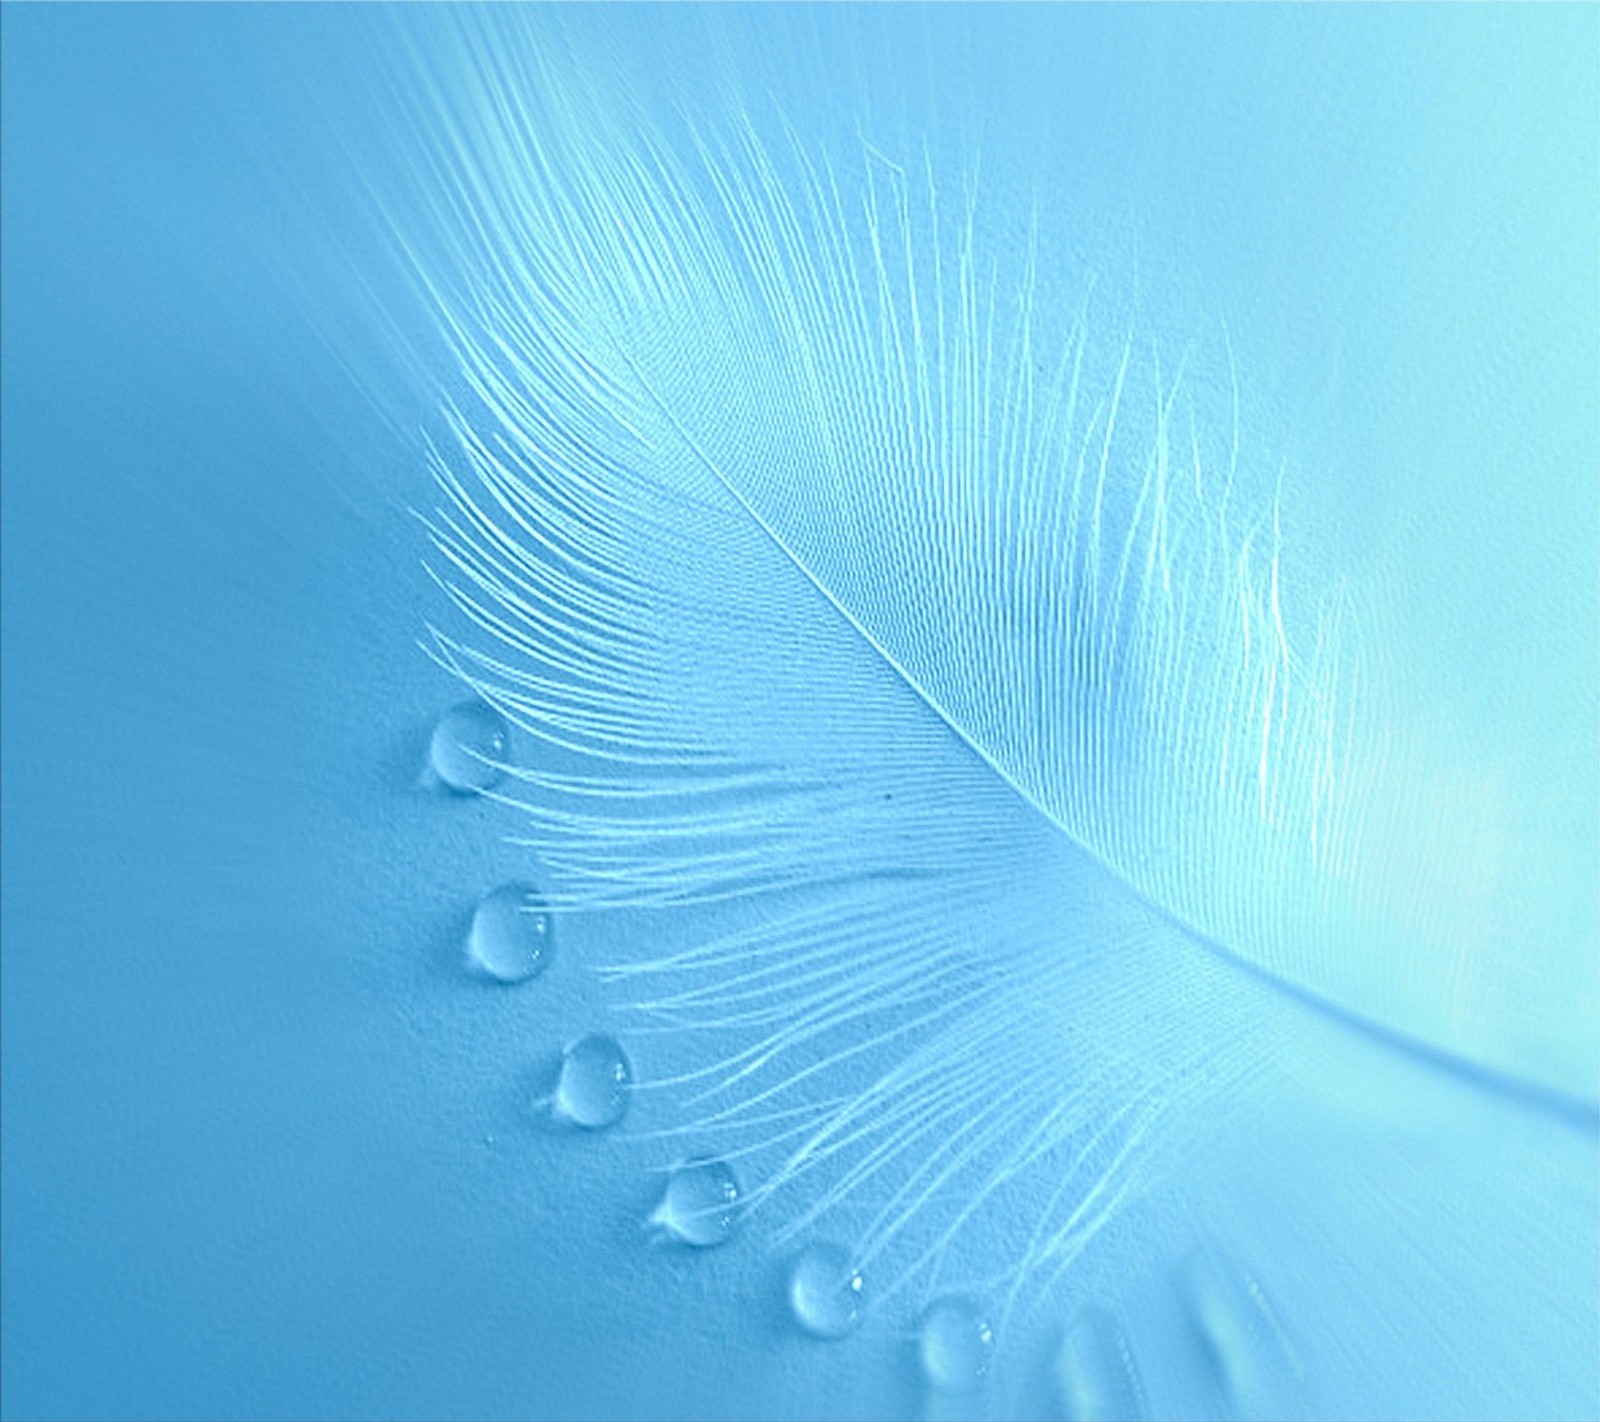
(267, 1148)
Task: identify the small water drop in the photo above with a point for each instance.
(700, 1204)
(592, 1088)
(826, 1291)
(955, 1343)
(469, 745)
(1248, 1351)
(1096, 1373)
(509, 940)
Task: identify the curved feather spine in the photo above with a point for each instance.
(657, 348)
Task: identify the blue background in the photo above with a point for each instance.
(265, 1145)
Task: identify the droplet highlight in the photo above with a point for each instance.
(1251, 1357)
(510, 938)
(955, 1344)
(700, 1204)
(826, 1291)
(469, 747)
(1095, 1372)
(593, 1084)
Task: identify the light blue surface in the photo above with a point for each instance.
(270, 1150)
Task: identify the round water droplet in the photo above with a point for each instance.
(1095, 1372)
(592, 1089)
(469, 745)
(825, 1291)
(955, 1343)
(509, 940)
(700, 1204)
(1241, 1340)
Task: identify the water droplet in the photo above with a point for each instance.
(825, 1291)
(699, 1205)
(1095, 1369)
(955, 1343)
(509, 940)
(592, 1088)
(1247, 1349)
(469, 744)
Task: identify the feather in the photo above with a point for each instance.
(913, 633)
